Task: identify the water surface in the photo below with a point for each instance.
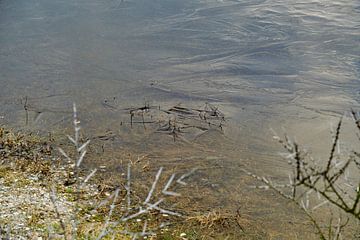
(263, 63)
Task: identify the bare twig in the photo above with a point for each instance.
(58, 216)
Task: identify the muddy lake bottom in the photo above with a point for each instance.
(220, 148)
(183, 137)
(190, 84)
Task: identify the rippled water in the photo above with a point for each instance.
(263, 63)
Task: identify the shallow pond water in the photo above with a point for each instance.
(264, 64)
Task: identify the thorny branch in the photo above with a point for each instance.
(331, 180)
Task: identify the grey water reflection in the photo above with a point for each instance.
(264, 63)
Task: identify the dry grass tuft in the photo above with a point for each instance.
(217, 219)
(22, 147)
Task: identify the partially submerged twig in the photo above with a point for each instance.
(150, 203)
(26, 111)
(147, 206)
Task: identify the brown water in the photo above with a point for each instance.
(263, 64)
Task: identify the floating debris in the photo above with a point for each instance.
(178, 118)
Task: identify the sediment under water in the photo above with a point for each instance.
(293, 67)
